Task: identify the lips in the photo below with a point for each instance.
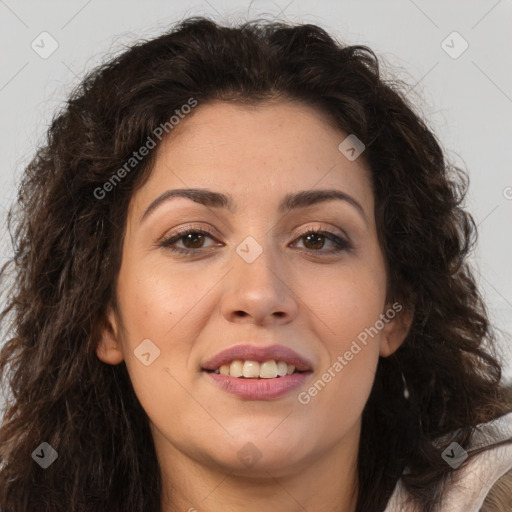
(260, 354)
(258, 389)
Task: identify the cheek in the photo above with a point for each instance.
(349, 302)
(157, 307)
(338, 394)
(157, 301)
(348, 314)
(157, 317)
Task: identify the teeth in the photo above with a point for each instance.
(268, 370)
(253, 370)
(236, 369)
(282, 368)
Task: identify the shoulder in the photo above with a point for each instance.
(499, 498)
(483, 484)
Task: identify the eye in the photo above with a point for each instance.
(315, 238)
(193, 239)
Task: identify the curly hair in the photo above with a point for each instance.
(68, 247)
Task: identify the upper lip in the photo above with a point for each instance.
(257, 353)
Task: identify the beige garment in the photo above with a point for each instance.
(468, 487)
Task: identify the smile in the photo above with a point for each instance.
(254, 369)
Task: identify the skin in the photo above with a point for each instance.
(296, 293)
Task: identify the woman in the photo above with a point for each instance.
(184, 339)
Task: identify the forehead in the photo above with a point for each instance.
(282, 125)
(257, 152)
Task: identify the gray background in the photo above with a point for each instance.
(467, 100)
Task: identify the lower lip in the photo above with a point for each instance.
(259, 389)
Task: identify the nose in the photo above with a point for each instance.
(258, 289)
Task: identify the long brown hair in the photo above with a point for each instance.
(67, 253)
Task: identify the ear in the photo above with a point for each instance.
(108, 349)
(399, 320)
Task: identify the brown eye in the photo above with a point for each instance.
(315, 241)
(192, 239)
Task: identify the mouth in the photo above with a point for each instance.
(257, 373)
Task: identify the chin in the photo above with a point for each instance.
(261, 452)
(253, 462)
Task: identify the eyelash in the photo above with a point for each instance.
(342, 244)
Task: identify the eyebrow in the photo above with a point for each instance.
(292, 201)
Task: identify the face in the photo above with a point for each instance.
(249, 274)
